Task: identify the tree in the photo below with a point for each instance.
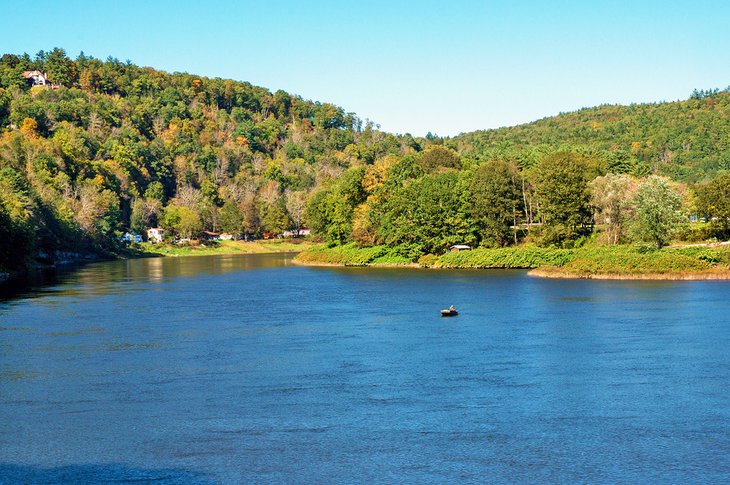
(145, 213)
(561, 189)
(426, 216)
(97, 212)
(330, 211)
(658, 210)
(275, 219)
(495, 197)
(296, 204)
(182, 221)
(155, 190)
(231, 218)
(611, 196)
(713, 202)
(438, 157)
(60, 69)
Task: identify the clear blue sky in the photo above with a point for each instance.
(440, 66)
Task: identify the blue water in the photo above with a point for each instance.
(248, 369)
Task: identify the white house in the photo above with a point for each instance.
(459, 247)
(155, 234)
(36, 78)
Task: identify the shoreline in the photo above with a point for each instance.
(619, 262)
(323, 264)
(720, 275)
(9, 278)
(542, 273)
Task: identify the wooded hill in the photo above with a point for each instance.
(107, 146)
(113, 146)
(686, 140)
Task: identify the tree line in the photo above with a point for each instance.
(119, 147)
(426, 202)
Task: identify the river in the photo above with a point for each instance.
(247, 368)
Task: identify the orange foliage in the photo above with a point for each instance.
(29, 128)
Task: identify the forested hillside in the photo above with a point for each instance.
(102, 147)
(686, 140)
(108, 146)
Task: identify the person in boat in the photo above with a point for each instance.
(452, 309)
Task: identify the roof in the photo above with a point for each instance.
(460, 246)
(29, 74)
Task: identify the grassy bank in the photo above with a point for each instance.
(351, 255)
(624, 261)
(226, 247)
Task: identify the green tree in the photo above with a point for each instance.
(231, 218)
(713, 202)
(495, 197)
(60, 69)
(331, 209)
(658, 207)
(561, 189)
(155, 190)
(427, 215)
(182, 221)
(275, 219)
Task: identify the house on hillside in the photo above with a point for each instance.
(459, 247)
(155, 234)
(36, 78)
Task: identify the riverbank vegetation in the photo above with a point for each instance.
(590, 261)
(112, 147)
(224, 247)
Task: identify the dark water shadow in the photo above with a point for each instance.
(36, 281)
(97, 473)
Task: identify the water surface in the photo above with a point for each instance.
(246, 368)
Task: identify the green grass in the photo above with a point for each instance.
(226, 247)
(584, 261)
(632, 260)
(519, 257)
(351, 255)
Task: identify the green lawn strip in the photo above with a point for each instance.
(224, 247)
(590, 260)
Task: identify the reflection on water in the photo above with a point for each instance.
(247, 369)
(99, 279)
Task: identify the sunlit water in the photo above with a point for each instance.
(249, 369)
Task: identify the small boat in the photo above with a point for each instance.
(449, 313)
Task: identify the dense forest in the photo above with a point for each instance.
(107, 146)
(686, 140)
(104, 147)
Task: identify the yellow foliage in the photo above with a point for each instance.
(29, 128)
(377, 174)
(363, 231)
